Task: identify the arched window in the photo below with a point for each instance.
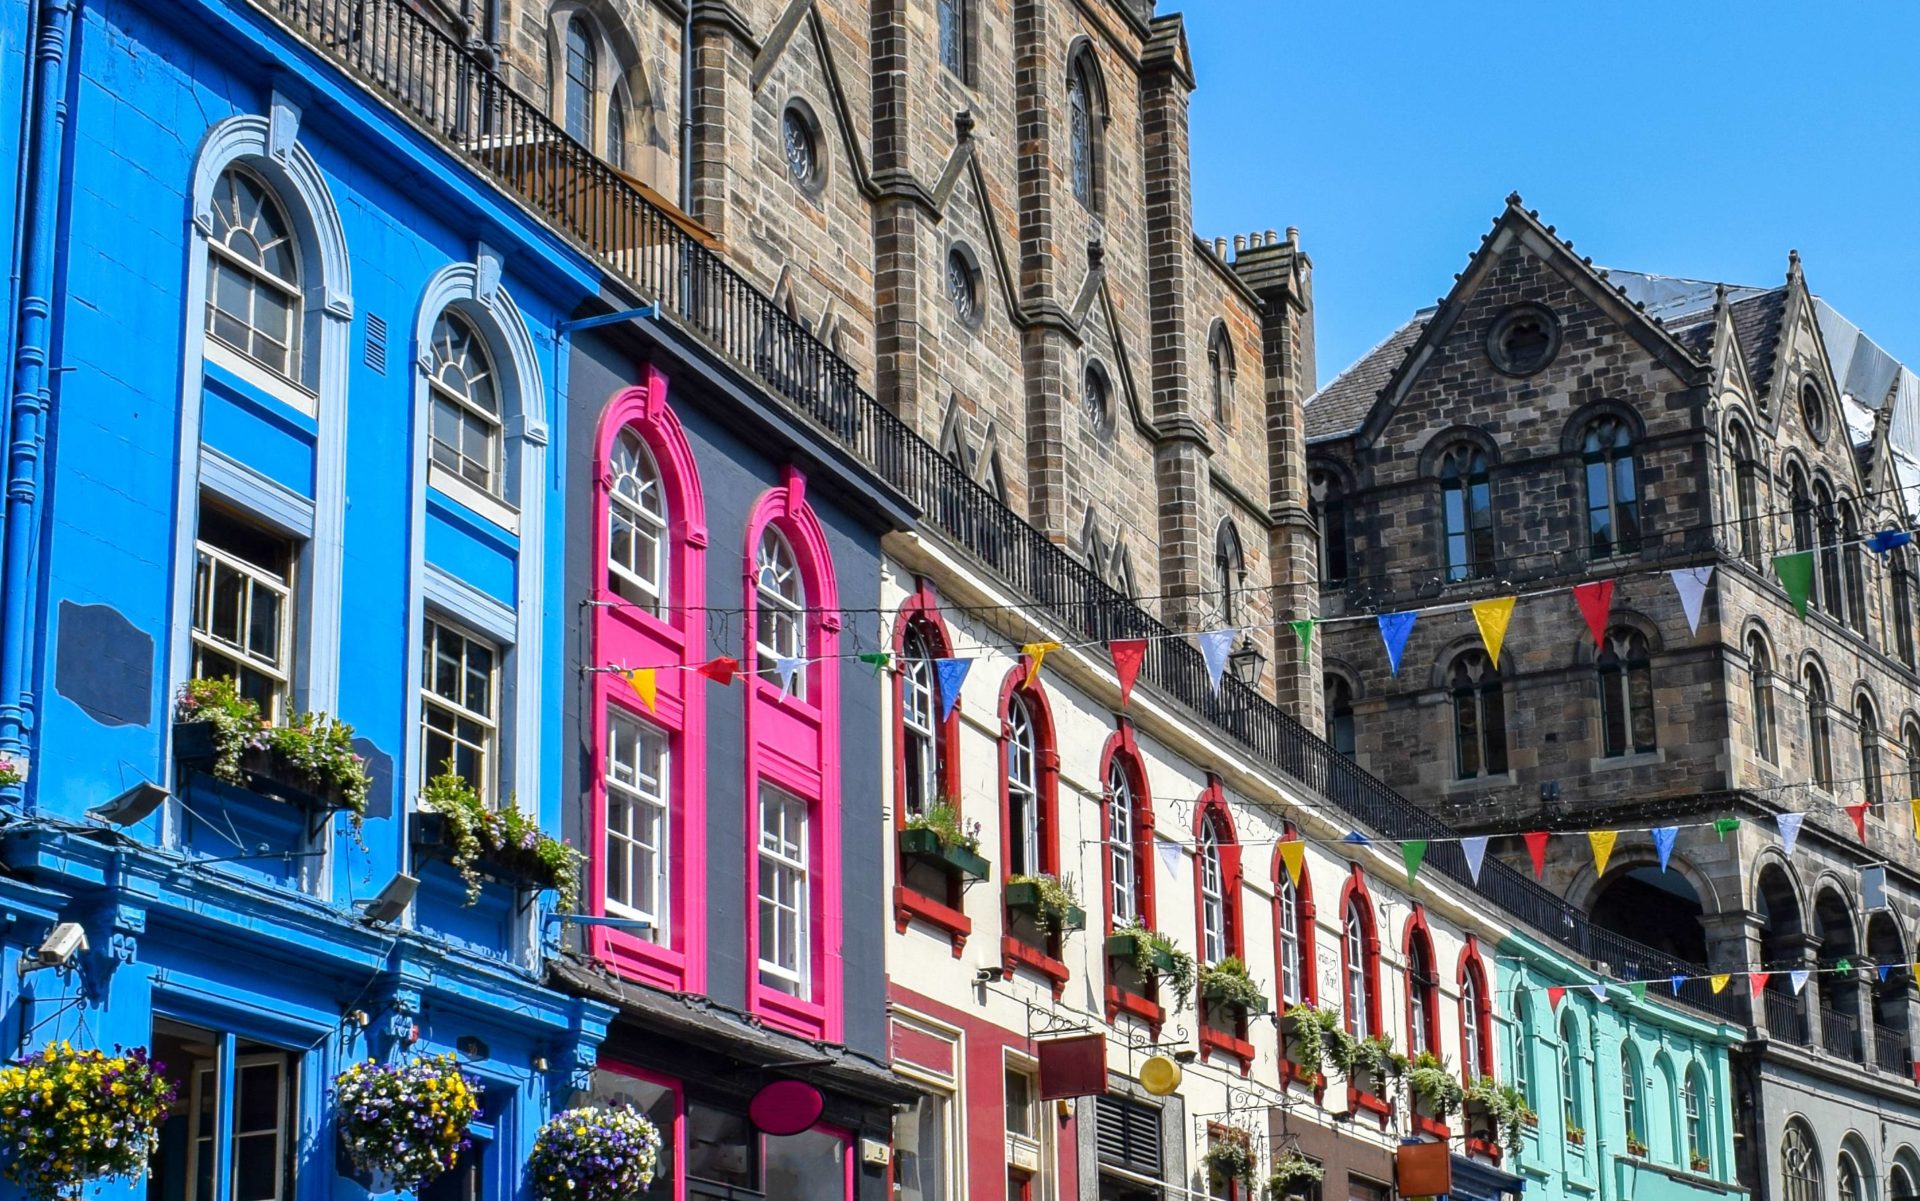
(921, 741)
(1123, 858)
(1423, 989)
(1023, 792)
(1800, 1165)
(1911, 737)
(581, 72)
(1213, 895)
(1819, 729)
(1572, 1104)
(1229, 570)
(955, 17)
(1625, 670)
(1631, 1111)
(617, 130)
(464, 426)
(637, 525)
(254, 300)
(1328, 503)
(1800, 500)
(1760, 698)
(1220, 371)
(1083, 97)
(1872, 783)
(1127, 859)
(1293, 929)
(1476, 1019)
(1900, 1184)
(1339, 706)
(1613, 490)
(1832, 595)
(1523, 1038)
(1360, 959)
(1746, 491)
(1693, 1114)
(1902, 616)
(1852, 1186)
(1479, 717)
(1466, 511)
(780, 603)
(1853, 560)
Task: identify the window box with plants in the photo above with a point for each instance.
(1369, 1064)
(1228, 985)
(1230, 1157)
(309, 761)
(1306, 1034)
(1048, 901)
(1154, 957)
(1635, 1147)
(1699, 1164)
(1577, 1136)
(1437, 1092)
(1294, 1177)
(939, 839)
(1500, 1113)
(455, 824)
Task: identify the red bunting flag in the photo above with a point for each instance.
(1859, 815)
(1554, 994)
(1537, 848)
(1595, 601)
(721, 671)
(1757, 981)
(1127, 654)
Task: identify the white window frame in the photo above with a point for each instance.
(1292, 965)
(1470, 1049)
(1023, 787)
(1040, 1142)
(919, 724)
(787, 859)
(1359, 988)
(1122, 816)
(280, 669)
(430, 701)
(633, 514)
(779, 590)
(470, 411)
(1213, 896)
(950, 1088)
(646, 806)
(220, 259)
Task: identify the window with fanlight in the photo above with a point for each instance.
(1466, 514)
(1479, 717)
(637, 525)
(780, 614)
(464, 423)
(254, 297)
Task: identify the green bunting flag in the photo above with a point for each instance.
(1304, 630)
(1413, 850)
(878, 660)
(1639, 988)
(1724, 826)
(1796, 575)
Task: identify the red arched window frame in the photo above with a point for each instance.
(793, 745)
(1423, 1000)
(1212, 815)
(1477, 1014)
(1308, 987)
(1122, 754)
(630, 635)
(1356, 900)
(1020, 952)
(939, 906)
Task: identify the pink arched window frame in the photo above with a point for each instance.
(626, 635)
(793, 743)
(1123, 751)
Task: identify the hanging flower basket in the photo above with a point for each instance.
(594, 1155)
(70, 1117)
(405, 1121)
(480, 843)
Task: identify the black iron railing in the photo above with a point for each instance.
(1786, 1018)
(505, 137)
(1840, 1033)
(1892, 1050)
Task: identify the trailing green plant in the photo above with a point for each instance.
(1373, 1055)
(71, 1117)
(10, 773)
(1230, 1155)
(507, 835)
(1576, 1134)
(1699, 1163)
(1056, 900)
(1314, 1030)
(1506, 1108)
(1291, 1173)
(1146, 943)
(944, 820)
(311, 748)
(1434, 1084)
(1634, 1146)
(1230, 983)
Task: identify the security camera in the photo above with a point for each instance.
(62, 943)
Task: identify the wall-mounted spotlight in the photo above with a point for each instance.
(392, 901)
(986, 975)
(62, 943)
(131, 806)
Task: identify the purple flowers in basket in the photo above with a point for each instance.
(594, 1154)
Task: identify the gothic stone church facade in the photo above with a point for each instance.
(1549, 423)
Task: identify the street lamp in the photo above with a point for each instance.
(1246, 663)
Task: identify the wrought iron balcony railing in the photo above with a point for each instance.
(443, 87)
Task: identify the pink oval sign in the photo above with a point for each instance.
(786, 1107)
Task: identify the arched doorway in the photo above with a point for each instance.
(1839, 991)
(1782, 949)
(1660, 909)
(1892, 1041)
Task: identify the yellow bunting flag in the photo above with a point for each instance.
(1492, 616)
(1719, 982)
(645, 683)
(1037, 652)
(1602, 843)
(1293, 853)
(1915, 806)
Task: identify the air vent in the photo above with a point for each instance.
(377, 343)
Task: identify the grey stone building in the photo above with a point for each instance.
(1550, 423)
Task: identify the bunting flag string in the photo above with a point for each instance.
(1492, 617)
(880, 661)
(1171, 855)
(787, 667)
(1719, 981)
(1887, 541)
(1554, 993)
(1757, 982)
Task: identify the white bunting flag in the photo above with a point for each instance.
(1789, 829)
(1475, 849)
(1215, 645)
(1691, 582)
(1798, 978)
(787, 668)
(1171, 854)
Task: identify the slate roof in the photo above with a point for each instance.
(1340, 407)
(1756, 321)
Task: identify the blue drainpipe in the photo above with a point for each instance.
(29, 393)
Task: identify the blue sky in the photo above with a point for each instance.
(1689, 138)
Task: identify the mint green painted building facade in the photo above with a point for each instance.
(1603, 1069)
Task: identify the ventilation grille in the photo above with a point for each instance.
(1129, 1135)
(377, 343)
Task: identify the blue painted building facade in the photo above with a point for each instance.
(282, 388)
